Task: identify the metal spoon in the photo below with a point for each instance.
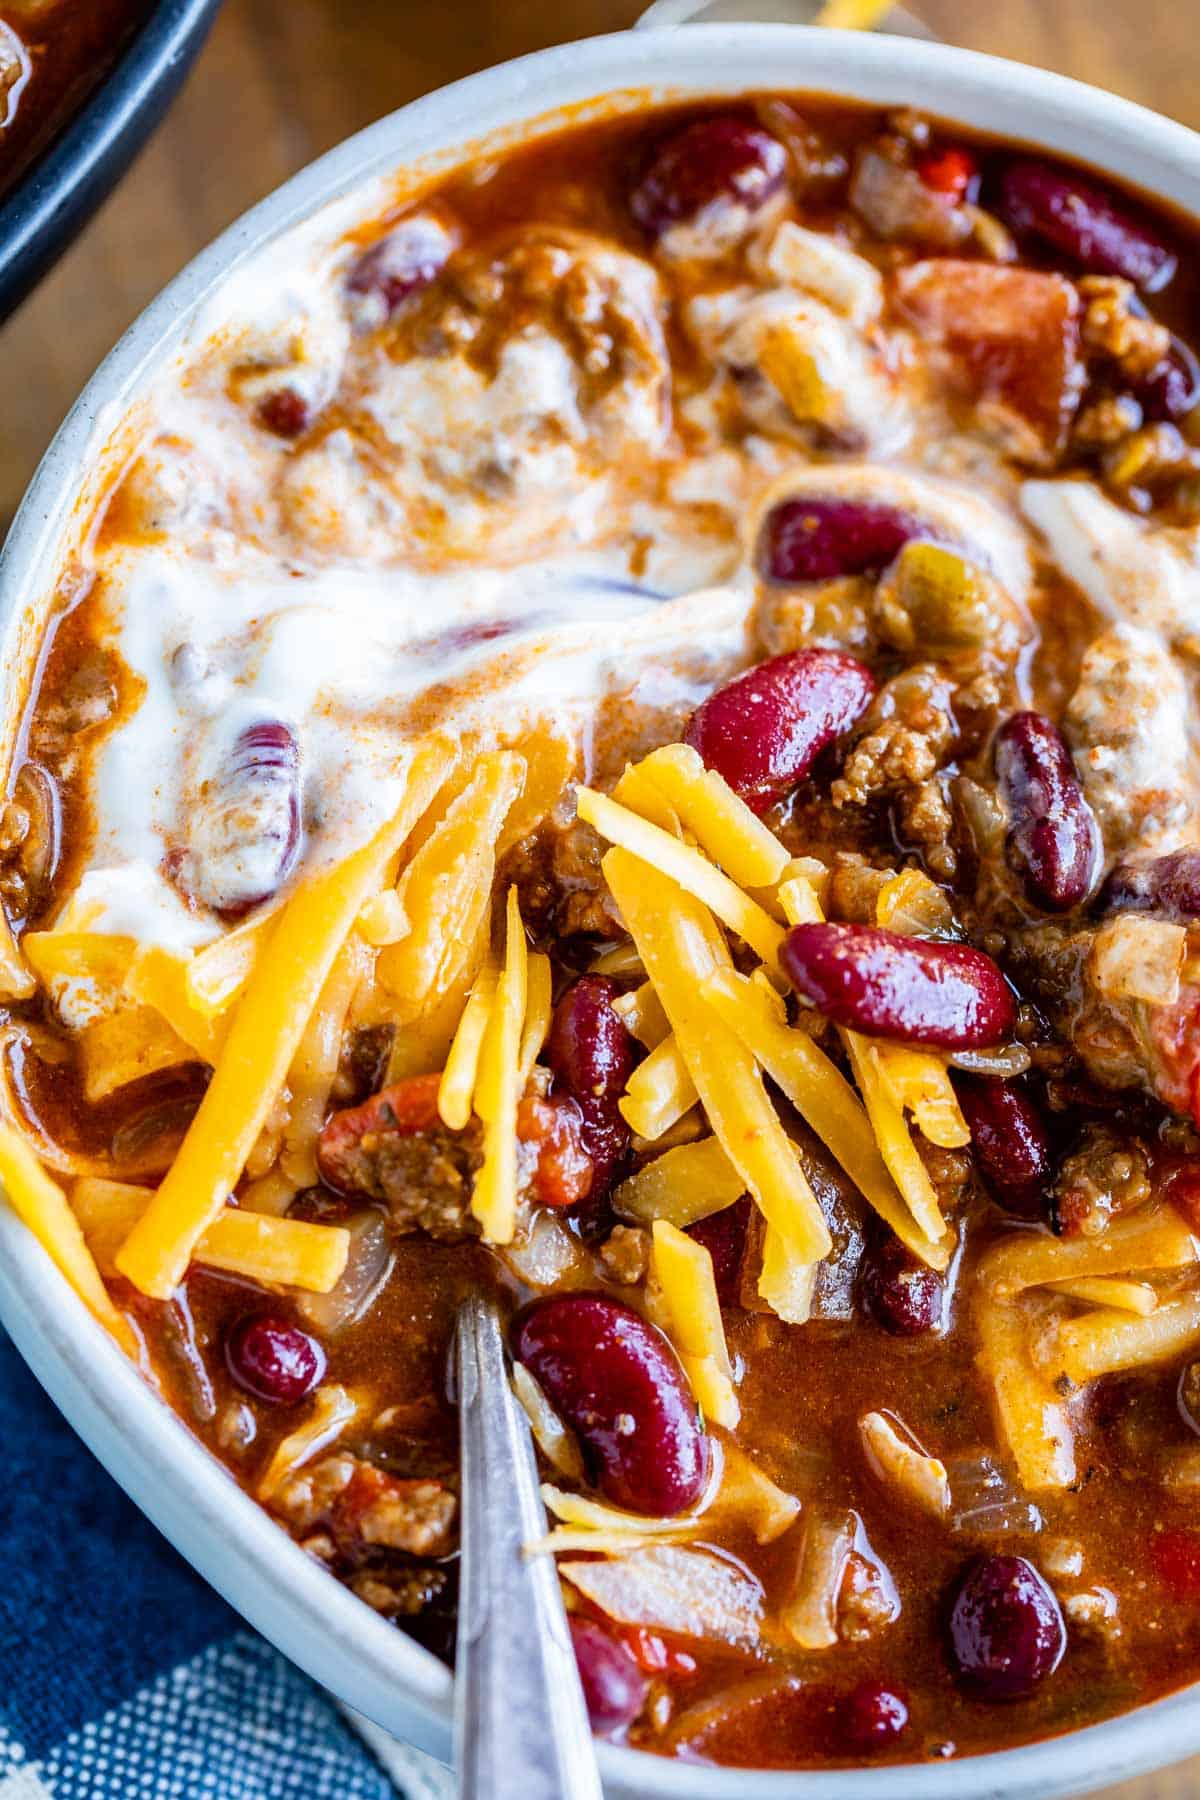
(520, 1724)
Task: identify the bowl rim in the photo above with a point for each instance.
(185, 1491)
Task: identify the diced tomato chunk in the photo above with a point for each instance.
(1013, 335)
(1176, 1556)
(564, 1172)
(656, 1656)
(1183, 1191)
(951, 172)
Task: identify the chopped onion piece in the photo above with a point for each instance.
(367, 1268)
(692, 1593)
(1136, 958)
(555, 1442)
(985, 1501)
(919, 1477)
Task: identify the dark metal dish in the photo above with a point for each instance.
(73, 156)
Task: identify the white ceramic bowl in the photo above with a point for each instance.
(184, 1491)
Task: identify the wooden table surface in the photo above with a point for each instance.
(282, 80)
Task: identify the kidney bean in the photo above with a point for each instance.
(245, 831)
(589, 1050)
(903, 1295)
(723, 1235)
(951, 172)
(273, 1359)
(763, 731)
(727, 157)
(408, 259)
(1010, 1141)
(1168, 885)
(1005, 1630)
(1085, 221)
(890, 985)
(1053, 837)
(284, 411)
(591, 1056)
(1171, 390)
(820, 539)
(614, 1688)
(617, 1382)
(872, 1716)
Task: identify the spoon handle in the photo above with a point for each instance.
(520, 1727)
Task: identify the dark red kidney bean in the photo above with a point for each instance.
(1005, 1630)
(723, 1235)
(617, 1382)
(284, 411)
(273, 1359)
(245, 833)
(821, 539)
(903, 1295)
(872, 1716)
(591, 1055)
(589, 1050)
(614, 1688)
(764, 730)
(408, 259)
(727, 157)
(1053, 837)
(1085, 221)
(1168, 885)
(1171, 390)
(890, 985)
(1010, 1141)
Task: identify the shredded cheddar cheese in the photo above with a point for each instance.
(1030, 1414)
(685, 866)
(539, 985)
(681, 949)
(42, 1207)
(659, 1092)
(642, 1013)
(824, 1099)
(682, 1185)
(158, 979)
(786, 1281)
(217, 975)
(1101, 1342)
(722, 824)
(457, 1089)
(277, 1252)
(125, 1046)
(446, 889)
(1110, 1290)
(264, 1035)
(688, 1291)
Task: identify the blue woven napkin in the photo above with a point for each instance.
(123, 1676)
